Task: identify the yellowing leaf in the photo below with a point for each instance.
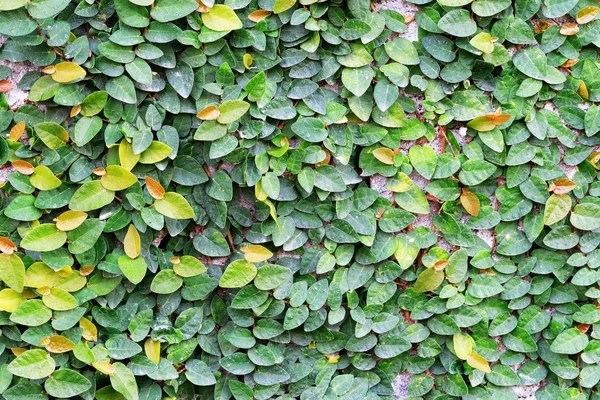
(127, 157)
(90, 332)
(562, 186)
(154, 188)
(583, 91)
(152, 350)
(39, 275)
(587, 14)
(384, 155)
(12, 271)
(67, 72)
(247, 59)
(256, 253)
(117, 178)
(463, 345)
(105, 367)
(58, 344)
(17, 131)
(70, 220)
(187, 266)
(209, 113)
(482, 124)
(569, 29)
(174, 205)
(10, 300)
(478, 362)
(44, 179)
(132, 242)
(283, 5)
(221, 18)
(483, 42)
(470, 202)
(156, 152)
(428, 280)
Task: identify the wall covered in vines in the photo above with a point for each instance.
(287, 199)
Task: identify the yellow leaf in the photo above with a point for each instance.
(105, 367)
(463, 345)
(256, 253)
(470, 202)
(90, 332)
(65, 271)
(132, 242)
(483, 42)
(221, 18)
(75, 110)
(44, 179)
(209, 113)
(154, 188)
(117, 178)
(58, 344)
(67, 72)
(384, 155)
(478, 362)
(247, 59)
(187, 266)
(39, 275)
(17, 131)
(587, 14)
(583, 91)
(258, 15)
(10, 300)
(152, 350)
(7, 246)
(283, 5)
(400, 183)
(126, 156)
(259, 193)
(482, 124)
(70, 220)
(17, 351)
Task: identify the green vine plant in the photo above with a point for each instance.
(281, 199)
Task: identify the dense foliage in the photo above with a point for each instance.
(189, 209)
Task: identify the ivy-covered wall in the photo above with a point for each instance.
(315, 200)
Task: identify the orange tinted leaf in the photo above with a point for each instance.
(58, 344)
(75, 110)
(5, 85)
(569, 29)
(154, 188)
(7, 246)
(23, 167)
(209, 113)
(563, 186)
(470, 202)
(17, 131)
(258, 15)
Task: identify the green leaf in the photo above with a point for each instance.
(428, 280)
(532, 62)
(91, 196)
(53, 135)
(174, 205)
(123, 381)
(66, 383)
(557, 207)
(45, 237)
(32, 364)
(238, 274)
